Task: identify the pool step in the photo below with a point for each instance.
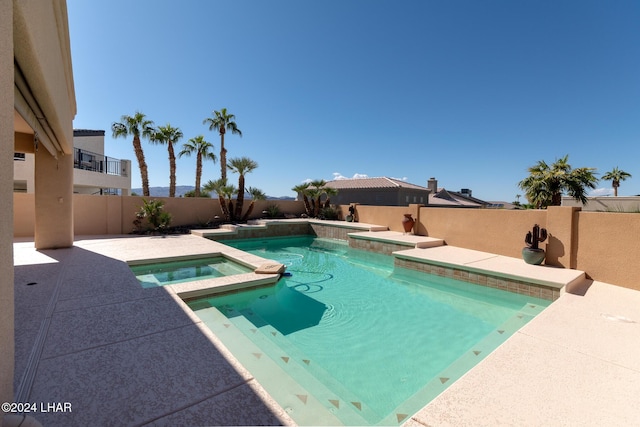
(270, 365)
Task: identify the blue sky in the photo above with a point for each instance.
(470, 92)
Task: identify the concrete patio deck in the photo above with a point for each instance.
(88, 334)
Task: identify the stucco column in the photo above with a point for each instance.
(53, 200)
(414, 210)
(6, 202)
(561, 248)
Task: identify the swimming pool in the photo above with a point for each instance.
(161, 273)
(349, 339)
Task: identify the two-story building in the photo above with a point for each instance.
(93, 172)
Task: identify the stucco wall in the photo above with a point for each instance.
(604, 245)
(6, 202)
(391, 216)
(608, 247)
(96, 215)
(23, 171)
(93, 143)
(606, 204)
(497, 231)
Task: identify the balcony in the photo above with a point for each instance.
(90, 161)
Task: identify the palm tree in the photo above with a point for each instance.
(241, 166)
(303, 189)
(222, 190)
(545, 184)
(168, 135)
(136, 126)
(256, 194)
(201, 147)
(222, 122)
(317, 189)
(615, 176)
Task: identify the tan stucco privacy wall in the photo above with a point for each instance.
(96, 215)
(602, 244)
(6, 202)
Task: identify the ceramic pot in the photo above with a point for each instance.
(533, 256)
(407, 223)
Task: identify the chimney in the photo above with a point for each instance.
(432, 185)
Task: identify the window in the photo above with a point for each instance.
(18, 156)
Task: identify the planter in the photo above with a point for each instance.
(349, 218)
(407, 223)
(533, 256)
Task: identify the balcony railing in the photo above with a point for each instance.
(87, 160)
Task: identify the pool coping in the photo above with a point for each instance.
(214, 285)
(571, 364)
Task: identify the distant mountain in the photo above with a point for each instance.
(182, 189)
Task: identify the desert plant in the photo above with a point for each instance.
(330, 213)
(273, 211)
(153, 211)
(203, 193)
(535, 236)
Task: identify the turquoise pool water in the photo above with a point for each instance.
(350, 335)
(180, 271)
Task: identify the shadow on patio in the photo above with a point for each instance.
(87, 333)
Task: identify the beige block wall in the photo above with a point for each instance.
(604, 245)
(391, 216)
(6, 202)
(497, 231)
(608, 248)
(23, 214)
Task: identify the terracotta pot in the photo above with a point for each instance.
(407, 223)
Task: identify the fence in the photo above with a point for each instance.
(87, 160)
(603, 244)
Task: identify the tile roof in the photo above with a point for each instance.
(380, 182)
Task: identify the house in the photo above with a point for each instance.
(93, 172)
(381, 191)
(37, 107)
(385, 191)
(441, 197)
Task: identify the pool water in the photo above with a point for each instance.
(180, 271)
(371, 344)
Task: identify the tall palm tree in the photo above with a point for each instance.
(256, 194)
(168, 135)
(222, 122)
(136, 126)
(241, 166)
(545, 184)
(202, 149)
(615, 176)
(303, 190)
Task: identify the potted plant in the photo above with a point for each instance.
(532, 254)
(408, 222)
